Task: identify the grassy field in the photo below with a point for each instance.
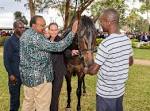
(142, 54)
(137, 96)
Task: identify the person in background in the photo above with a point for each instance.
(113, 58)
(59, 67)
(11, 63)
(36, 68)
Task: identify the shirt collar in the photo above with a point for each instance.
(15, 37)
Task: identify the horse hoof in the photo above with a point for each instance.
(68, 109)
(78, 108)
(84, 93)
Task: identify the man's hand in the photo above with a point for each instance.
(46, 34)
(12, 79)
(85, 70)
(74, 52)
(75, 26)
(92, 70)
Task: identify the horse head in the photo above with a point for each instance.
(86, 39)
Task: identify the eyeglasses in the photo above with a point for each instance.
(43, 26)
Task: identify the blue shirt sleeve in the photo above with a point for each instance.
(7, 56)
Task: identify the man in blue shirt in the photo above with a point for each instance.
(11, 62)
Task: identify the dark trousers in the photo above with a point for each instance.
(56, 88)
(107, 104)
(14, 91)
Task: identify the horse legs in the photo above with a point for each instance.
(78, 92)
(84, 87)
(68, 80)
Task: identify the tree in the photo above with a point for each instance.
(78, 8)
(18, 16)
(145, 7)
(119, 5)
(132, 19)
(75, 7)
(32, 8)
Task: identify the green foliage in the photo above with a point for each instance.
(137, 44)
(18, 16)
(98, 41)
(135, 21)
(132, 18)
(2, 40)
(119, 5)
(145, 7)
(134, 44)
(135, 40)
(145, 46)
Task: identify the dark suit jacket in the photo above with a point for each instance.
(59, 66)
(11, 56)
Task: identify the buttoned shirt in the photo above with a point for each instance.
(35, 56)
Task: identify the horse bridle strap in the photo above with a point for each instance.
(85, 50)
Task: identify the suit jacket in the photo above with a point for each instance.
(11, 56)
(59, 66)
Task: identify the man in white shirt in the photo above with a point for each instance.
(113, 58)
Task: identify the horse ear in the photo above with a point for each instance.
(72, 20)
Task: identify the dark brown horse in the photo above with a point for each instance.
(85, 43)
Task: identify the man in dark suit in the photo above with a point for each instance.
(11, 62)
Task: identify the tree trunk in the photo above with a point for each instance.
(96, 18)
(32, 8)
(80, 10)
(84, 6)
(66, 14)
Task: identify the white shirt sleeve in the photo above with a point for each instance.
(101, 55)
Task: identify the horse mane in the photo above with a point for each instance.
(87, 27)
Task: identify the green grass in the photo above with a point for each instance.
(137, 96)
(1, 49)
(3, 88)
(142, 54)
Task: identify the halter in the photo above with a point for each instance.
(81, 51)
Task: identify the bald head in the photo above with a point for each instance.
(109, 20)
(111, 15)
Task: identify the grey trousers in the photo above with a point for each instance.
(107, 104)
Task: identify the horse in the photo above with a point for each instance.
(85, 42)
